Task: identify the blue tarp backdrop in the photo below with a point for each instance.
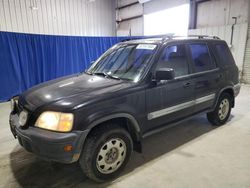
(29, 59)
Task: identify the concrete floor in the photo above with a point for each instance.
(191, 154)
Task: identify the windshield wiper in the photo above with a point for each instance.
(106, 75)
(100, 73)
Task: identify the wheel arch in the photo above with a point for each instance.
(125, 120)
(230, 91)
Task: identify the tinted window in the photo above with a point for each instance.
(125, 62)
(224, 54)
(174, 57)
(201, 58)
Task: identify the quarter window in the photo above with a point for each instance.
(174, 57)
(201, 57)
(224, 54)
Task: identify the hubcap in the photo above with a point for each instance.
(223, 109)
(111, 156)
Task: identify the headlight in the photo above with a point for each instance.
(55, 121)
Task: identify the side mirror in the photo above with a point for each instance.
(164, 74)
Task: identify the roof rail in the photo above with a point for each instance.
(171, 36)
(131, 38)
(204, 36)
(167, 36)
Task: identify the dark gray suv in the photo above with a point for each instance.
(136, 88)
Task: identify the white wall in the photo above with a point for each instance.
(162, 22)
(135, 27)
(58, 17)
(132, 27)
(158, 5)
(220, 12)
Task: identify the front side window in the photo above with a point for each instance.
(174, 57)
(201, 57)
(124, 62)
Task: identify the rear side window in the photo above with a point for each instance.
(224, 54)
(201, 58)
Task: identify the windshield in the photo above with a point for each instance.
(126, 62)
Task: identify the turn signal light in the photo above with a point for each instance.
(68, 148)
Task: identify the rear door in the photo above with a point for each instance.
(206, 75)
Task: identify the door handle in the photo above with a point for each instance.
(187, 84)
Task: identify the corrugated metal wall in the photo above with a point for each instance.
(246, 65)
(130, 20)
(159, 5)
(220, 12)
(58, 17)
(224, 32)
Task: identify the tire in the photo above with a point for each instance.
(222, 110)
(106, 152)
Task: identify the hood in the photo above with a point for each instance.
(69, 89)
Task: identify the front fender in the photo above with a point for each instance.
(99, 120)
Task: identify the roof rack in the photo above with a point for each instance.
(203, 36)
(167, 36)
(170, 36)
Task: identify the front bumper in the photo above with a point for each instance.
(47, 144)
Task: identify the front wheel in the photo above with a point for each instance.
(106, 152)
(222, 110)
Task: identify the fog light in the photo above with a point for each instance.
(23, 117)
(68, 148)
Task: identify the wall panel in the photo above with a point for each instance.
(130, 18)
(131, 27)
(58, 17)
(220, 12)
(246, 64)
(158, 5)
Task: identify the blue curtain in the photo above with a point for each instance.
(29, 59)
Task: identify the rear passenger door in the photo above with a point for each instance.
(206, 75)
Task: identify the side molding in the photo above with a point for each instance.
(179, 107)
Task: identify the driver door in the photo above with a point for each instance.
(168, 101)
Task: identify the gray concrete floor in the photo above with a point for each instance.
(191, 154)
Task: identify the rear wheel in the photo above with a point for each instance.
(106, 152)
(222, 110)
